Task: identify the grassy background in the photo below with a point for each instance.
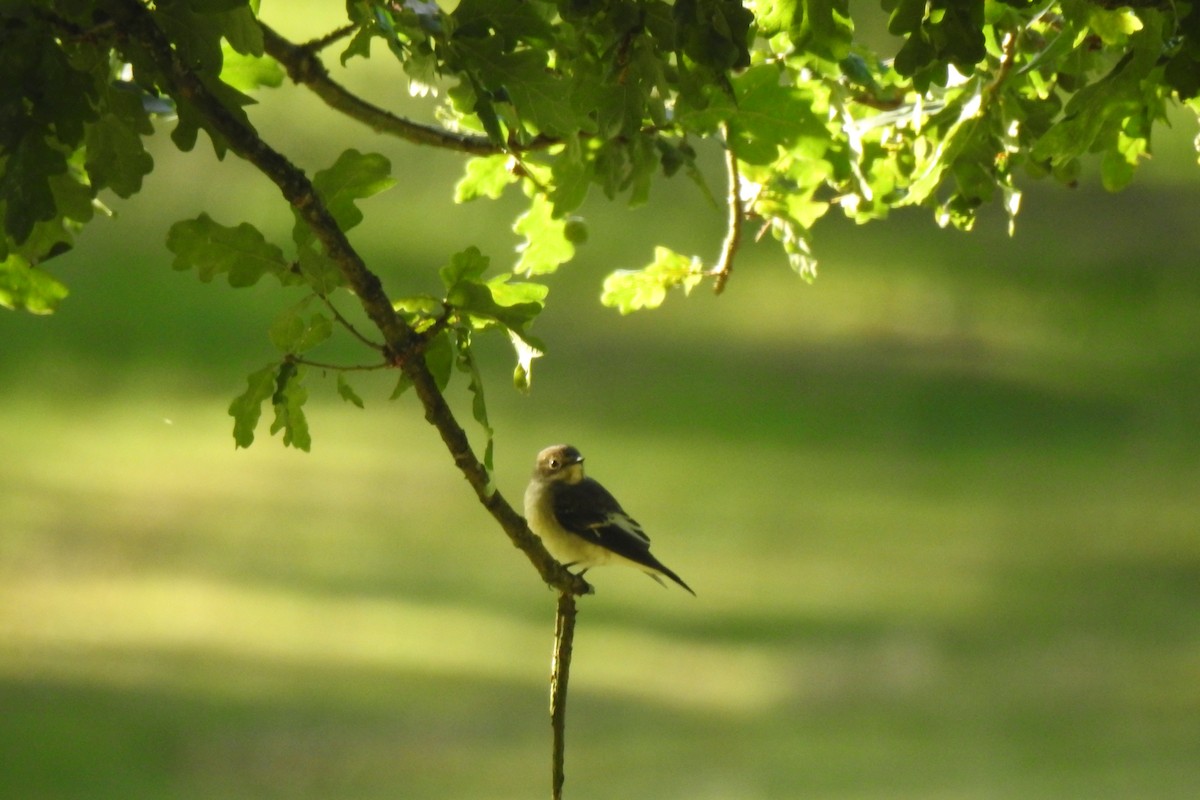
(940, 509)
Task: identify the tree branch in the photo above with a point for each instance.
(305, 67)
(737, 213)
(137, 27)
(560, 673)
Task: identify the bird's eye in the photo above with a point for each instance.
(553, 463)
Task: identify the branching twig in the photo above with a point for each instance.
(560, 672)
(733, 234)
(345, 323)
(1008, 58)
(338, 367)
(305, 67)
(137, 29)
(335, 35)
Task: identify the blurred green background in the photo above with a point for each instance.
(940, 509)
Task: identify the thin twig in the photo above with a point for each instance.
(1008, 57)
(339, 367)
(560, 672)
(345, 323)
(335, 35)
(305, 67)
(733, 233)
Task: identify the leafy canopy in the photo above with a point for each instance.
(558, 99)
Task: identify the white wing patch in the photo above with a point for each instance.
(624, 523)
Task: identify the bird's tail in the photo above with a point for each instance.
(661, 569)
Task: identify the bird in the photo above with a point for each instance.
(581, 523)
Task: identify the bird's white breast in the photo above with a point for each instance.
(565, 546)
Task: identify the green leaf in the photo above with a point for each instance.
(467, 265)
(487, 176)
(292, 333)
(512, 305)
(25, 287)
(191, 121)
(506, 21)
(359, 45)
(466, 363)
(906, 16)
(242, 31)
(403, 384)
(347, 392)
(714, 33)
(354, 176)
(319, 270)
(477, 301)
(115, 156)
(289, 399)
(24, 184)
(246, 408)
(524, 79)
(827, 29)
(957, 136)
(1114, 26)
(509, 293)
(771, 115)
(1120, 162)
(213, 249)
(247, 73)
(196, 36)
(546, 245)
(418, 306)
(776, 16)
(572, 175)
(319, 329)
(439, 359)
(630, 290)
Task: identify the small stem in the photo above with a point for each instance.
(345, 323)
(321, 42)
(1008, 58)
(733, 235)
(304, 66)
(340, 367)
(560, 670)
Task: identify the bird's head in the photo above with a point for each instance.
(560, 462)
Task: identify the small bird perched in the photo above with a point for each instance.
(580, 523)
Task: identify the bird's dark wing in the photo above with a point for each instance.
(587, 509)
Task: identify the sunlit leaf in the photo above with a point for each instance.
(487, 176)
(246, 73)
(28, 288)
(631, 290)
(546, 245)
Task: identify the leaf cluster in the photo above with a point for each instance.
(553, 99)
